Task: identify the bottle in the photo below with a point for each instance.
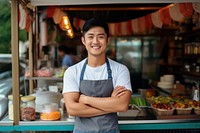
(195, 93)
(50, 112)
(28, 112)
(195, 45)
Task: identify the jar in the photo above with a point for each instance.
(50, 112)
(10, 107)
(28, 112)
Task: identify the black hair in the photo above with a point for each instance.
(64, 48)
(95, 22)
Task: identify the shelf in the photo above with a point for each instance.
(191, 56)
(191, 33)
(175, 47)
(193, 74)
(44, 78)
(170, 64)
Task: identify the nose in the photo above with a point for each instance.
(95, 40)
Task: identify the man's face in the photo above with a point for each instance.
(95, 41)
(61, 53)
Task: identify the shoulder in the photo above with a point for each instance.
(116, 65)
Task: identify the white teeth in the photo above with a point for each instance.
(96, 47)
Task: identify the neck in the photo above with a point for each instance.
(96, 61)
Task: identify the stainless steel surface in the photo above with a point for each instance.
(3, 105)
(66, 121)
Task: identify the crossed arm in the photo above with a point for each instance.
(87, 106)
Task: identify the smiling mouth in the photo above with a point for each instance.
(96, 47)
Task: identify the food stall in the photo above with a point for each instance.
(126, 122)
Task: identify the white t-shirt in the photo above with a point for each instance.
(120, 75)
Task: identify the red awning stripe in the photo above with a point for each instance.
(50, 11)
(165, 16)
(57, 16)
(186, 9)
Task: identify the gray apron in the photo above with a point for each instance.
(107, 123)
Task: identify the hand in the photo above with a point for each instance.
(118, 91)
(82, 98)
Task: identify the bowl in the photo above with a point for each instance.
(165, 85)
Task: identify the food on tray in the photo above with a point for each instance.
(165, 106)
(182, 108)
(54, 115)
(162, 99)
(193, 103)
(180, 105)
(163, 109)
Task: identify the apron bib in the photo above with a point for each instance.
(107, 123)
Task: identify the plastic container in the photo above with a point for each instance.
(28, 112)
(50, 112)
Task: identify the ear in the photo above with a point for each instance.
(108, 40)
(83, 40)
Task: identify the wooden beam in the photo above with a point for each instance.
(109, 8)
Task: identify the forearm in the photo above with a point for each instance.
(75, 108)
(82, 110)
(110, 104)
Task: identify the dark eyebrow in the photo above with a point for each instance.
(102, 34)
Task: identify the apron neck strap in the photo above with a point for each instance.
(108, 69)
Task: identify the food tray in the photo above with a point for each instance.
(183, 111)
(197, 111)
(161, 112)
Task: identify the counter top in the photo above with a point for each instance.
(66, 124)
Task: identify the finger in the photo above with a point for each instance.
(119, 89)
(120, 94)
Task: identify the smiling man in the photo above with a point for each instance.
(96, 88)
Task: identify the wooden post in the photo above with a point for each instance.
(15, 59)
(31, 69)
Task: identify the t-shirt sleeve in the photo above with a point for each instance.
(70, 81)
(123, 78)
